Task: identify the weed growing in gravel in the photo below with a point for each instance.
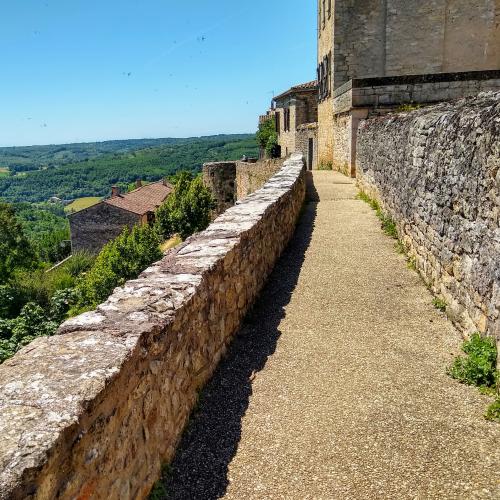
(479, 366)
(493, 411)
(412, 263)
(439, 304)
(325, 165)
(388, 224)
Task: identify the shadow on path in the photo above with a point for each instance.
(199, 469)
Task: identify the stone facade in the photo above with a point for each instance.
(436, 171)
(325, 105)
(293, 109)
(306, 142)
(220, 177)
(373, 39)
(95, 226)
(94, 411)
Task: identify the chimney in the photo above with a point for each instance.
(138, 183)
(115, 191)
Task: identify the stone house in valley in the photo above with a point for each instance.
(93, 227)
(296, 115)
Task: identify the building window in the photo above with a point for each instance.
(286, 119)
(277, 123)
(324, 72)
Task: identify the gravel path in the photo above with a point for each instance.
(335, 387)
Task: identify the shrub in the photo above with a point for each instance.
(479, 367)
(120, 260)
(493, 411)
(187, 210)
(268, 138)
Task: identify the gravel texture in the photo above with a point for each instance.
(336, 386)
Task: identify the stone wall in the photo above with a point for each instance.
(95, 226)
(436, 171)
(325, 107)
(94, 411)
(380, 93)
(407, 37)
(252, 176)
(305, 134)
(219, 177)
(342, 132)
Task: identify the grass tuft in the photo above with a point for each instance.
(479, 366)
(440, 304)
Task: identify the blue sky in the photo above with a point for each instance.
(85, 70)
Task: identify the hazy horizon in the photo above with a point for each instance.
(126, 139)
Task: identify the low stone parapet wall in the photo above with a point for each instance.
(252, 176)
(436, 171)
(94, 411)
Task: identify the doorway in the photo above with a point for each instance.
(310, 154)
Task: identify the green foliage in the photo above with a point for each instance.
(46, 227)
(493, 411)
(439, 304)
(94, 176)
(122, 259)
(15, 249)
(268, 138)
(325, 165)
(479, 366)
(406, 108)
(15, 333)
(187, 210)
(388, 225)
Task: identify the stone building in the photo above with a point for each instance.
(374, 56)
(93, 227)
(296, 115)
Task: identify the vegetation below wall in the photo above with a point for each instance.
(34, 301)
(93, 177)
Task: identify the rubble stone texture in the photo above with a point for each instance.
(436, 171)
(94, 411)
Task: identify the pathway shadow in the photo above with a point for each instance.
(199, 469)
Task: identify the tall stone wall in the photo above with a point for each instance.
(220, 177)
(375, 38)
(436, 171)
(325, 107)
(94, 411)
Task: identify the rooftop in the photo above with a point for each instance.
(302, 87)
(143, 199)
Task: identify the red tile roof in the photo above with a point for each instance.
(301, 87)
(142, 200)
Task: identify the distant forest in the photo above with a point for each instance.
(61, 176)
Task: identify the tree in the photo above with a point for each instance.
(268, 138)
(15, 249)
(187, 210)
(121, 259)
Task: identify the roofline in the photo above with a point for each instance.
(293, 90)
(121, 208)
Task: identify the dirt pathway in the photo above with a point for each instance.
(335, 387)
